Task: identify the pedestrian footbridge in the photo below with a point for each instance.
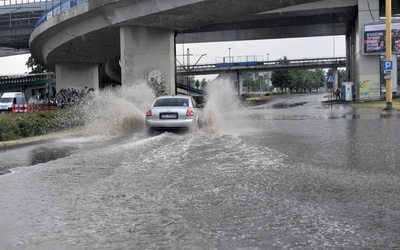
(229, 65)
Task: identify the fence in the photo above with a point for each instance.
(58, 8)
(29, 108)
(14, 2)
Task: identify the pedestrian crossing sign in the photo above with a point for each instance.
(330, 78)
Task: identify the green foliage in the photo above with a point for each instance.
(282, 79)
(34, 65)
(191, 81)
(203, 83)
(254, 85)
(9, 131)
(187, 80)
(301, 80)
(16, 126)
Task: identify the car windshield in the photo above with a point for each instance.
(5, 100)
(174, 102)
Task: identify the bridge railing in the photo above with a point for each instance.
(251, 61)
(22, 80)
(57, 9)
(19, 2)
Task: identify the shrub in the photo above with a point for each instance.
(16, 126)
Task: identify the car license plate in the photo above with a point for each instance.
(169, 116)
(3, 107)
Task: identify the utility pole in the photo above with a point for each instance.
(389, 102)
(268, 72)
(334, 47)
(188, 67)
(188, 58)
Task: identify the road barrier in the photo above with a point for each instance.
(28, 108)
(42, 107)
(21, 108)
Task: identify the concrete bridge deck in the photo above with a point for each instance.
(257, 66)
(130, 41)
(77, 35)
(17, 21)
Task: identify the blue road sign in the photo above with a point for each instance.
(330, 78)
(387, 65)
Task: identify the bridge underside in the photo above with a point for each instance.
(202, 21)
(97, 32)
(17, 21)
(285, 23)
(262, 26)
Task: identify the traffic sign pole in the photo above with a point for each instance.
(389, 101)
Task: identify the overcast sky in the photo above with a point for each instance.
(295, 48)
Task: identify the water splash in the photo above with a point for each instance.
(117, 111)
(223, 110)
(121, 111)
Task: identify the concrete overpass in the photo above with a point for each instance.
(17, 21)
(260, 66)
(38, 81)
(140, 36)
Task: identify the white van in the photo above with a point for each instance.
(10, 98)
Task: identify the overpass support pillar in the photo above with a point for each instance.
(239, 84)
(77, 75)
(148, 55)
(366, 68)
(335, 79)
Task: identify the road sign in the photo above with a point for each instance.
(386, 77)
(330, 78)
(387, 65)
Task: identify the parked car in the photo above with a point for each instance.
(177, 113)
(9, 98)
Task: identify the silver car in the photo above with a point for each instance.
(178, 112)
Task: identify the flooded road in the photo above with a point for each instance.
(290, 174)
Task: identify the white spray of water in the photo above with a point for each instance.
(114, 112)
(223, 112)
(119, 111)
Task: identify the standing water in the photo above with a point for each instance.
(302, 176)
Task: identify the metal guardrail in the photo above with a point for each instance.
(261, 65)
(190, 89)
(20, 81)
(19, 2)
(58, 8)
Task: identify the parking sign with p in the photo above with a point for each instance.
(387, 65)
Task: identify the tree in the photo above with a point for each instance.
(34, 65)
(320, 78)
(187, 80)
(282, 79)
(203, 83)
(259, 83)
(299, 78)
(197, 84)
(306, 80)
(249, 84)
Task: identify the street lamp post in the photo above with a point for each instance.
(188, 58)
(229, 55)
(268, 71)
